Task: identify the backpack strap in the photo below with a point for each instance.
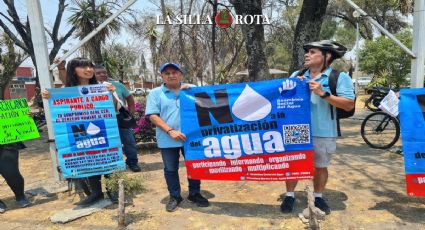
(332, 81)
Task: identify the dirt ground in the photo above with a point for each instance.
(366, 190)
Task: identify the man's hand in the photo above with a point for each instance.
(109, 86)
(316, 87)
(301, 78)
(176, 135)
(185, 86)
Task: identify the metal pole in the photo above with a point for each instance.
(42, 58)
(95, 31)
(418, 46)
(382, 29)
(356, 64)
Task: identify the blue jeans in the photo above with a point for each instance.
(129, 146)
(170, 157)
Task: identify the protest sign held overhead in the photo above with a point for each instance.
(16, 125)
(86, 131)
(412, 122)
(249, 131)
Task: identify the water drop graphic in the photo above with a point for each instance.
(251, 106)
(93, 129)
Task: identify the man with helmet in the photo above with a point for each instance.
(318, 58)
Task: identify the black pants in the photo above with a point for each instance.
(9, 169)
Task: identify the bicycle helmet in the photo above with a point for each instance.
(335, 48)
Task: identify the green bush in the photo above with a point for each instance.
(132, 185)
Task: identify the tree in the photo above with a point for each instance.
(117, 56)
(383, 57)
(254, 39)
(9, 62)
(307, 29)
(87, 15)
(388, 13)
(22, 36)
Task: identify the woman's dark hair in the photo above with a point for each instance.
(71, 76)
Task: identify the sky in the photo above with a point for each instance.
(49, 9)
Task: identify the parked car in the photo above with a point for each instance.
(362, 81)
(140, 91)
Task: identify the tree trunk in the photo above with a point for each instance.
(255, 43)
(2, 89)
(307, 29)
(213, 35)
(164, 48)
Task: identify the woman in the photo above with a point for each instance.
(80, 71)
(9, 169)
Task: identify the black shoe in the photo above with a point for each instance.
(134, 168)
(173, 203)
(199, 200)
(23, 202)
(96, 193)
(320, 203)
(90, 200)
(3, 207)
(112, 196)
(288, 204)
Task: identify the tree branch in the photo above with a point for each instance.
(20, 28)
(58, 20)
(13, 37)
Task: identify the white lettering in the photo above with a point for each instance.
(248, 19)
(274, 142)
(231, 147)
(238, 19)
(256, 143)
(212, 147)
(266, 20)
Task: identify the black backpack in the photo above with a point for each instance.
(340, 113)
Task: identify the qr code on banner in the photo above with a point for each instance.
(296, 134)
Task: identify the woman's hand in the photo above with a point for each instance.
(59, 63)
(45, 94)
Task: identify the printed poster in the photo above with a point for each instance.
(16, 125)
(86, 131)
(412, 122)
(257, 131)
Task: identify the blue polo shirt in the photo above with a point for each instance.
(321, 119)
(166, 104)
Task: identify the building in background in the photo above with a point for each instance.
(22, 85)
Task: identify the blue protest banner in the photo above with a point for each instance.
(249, 131)
(412, 122)
(86, 131)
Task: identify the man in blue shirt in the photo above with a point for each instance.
(163, 108)
(318, 57)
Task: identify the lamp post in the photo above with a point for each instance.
(356, 15)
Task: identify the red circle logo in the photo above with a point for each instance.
(224, 19)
